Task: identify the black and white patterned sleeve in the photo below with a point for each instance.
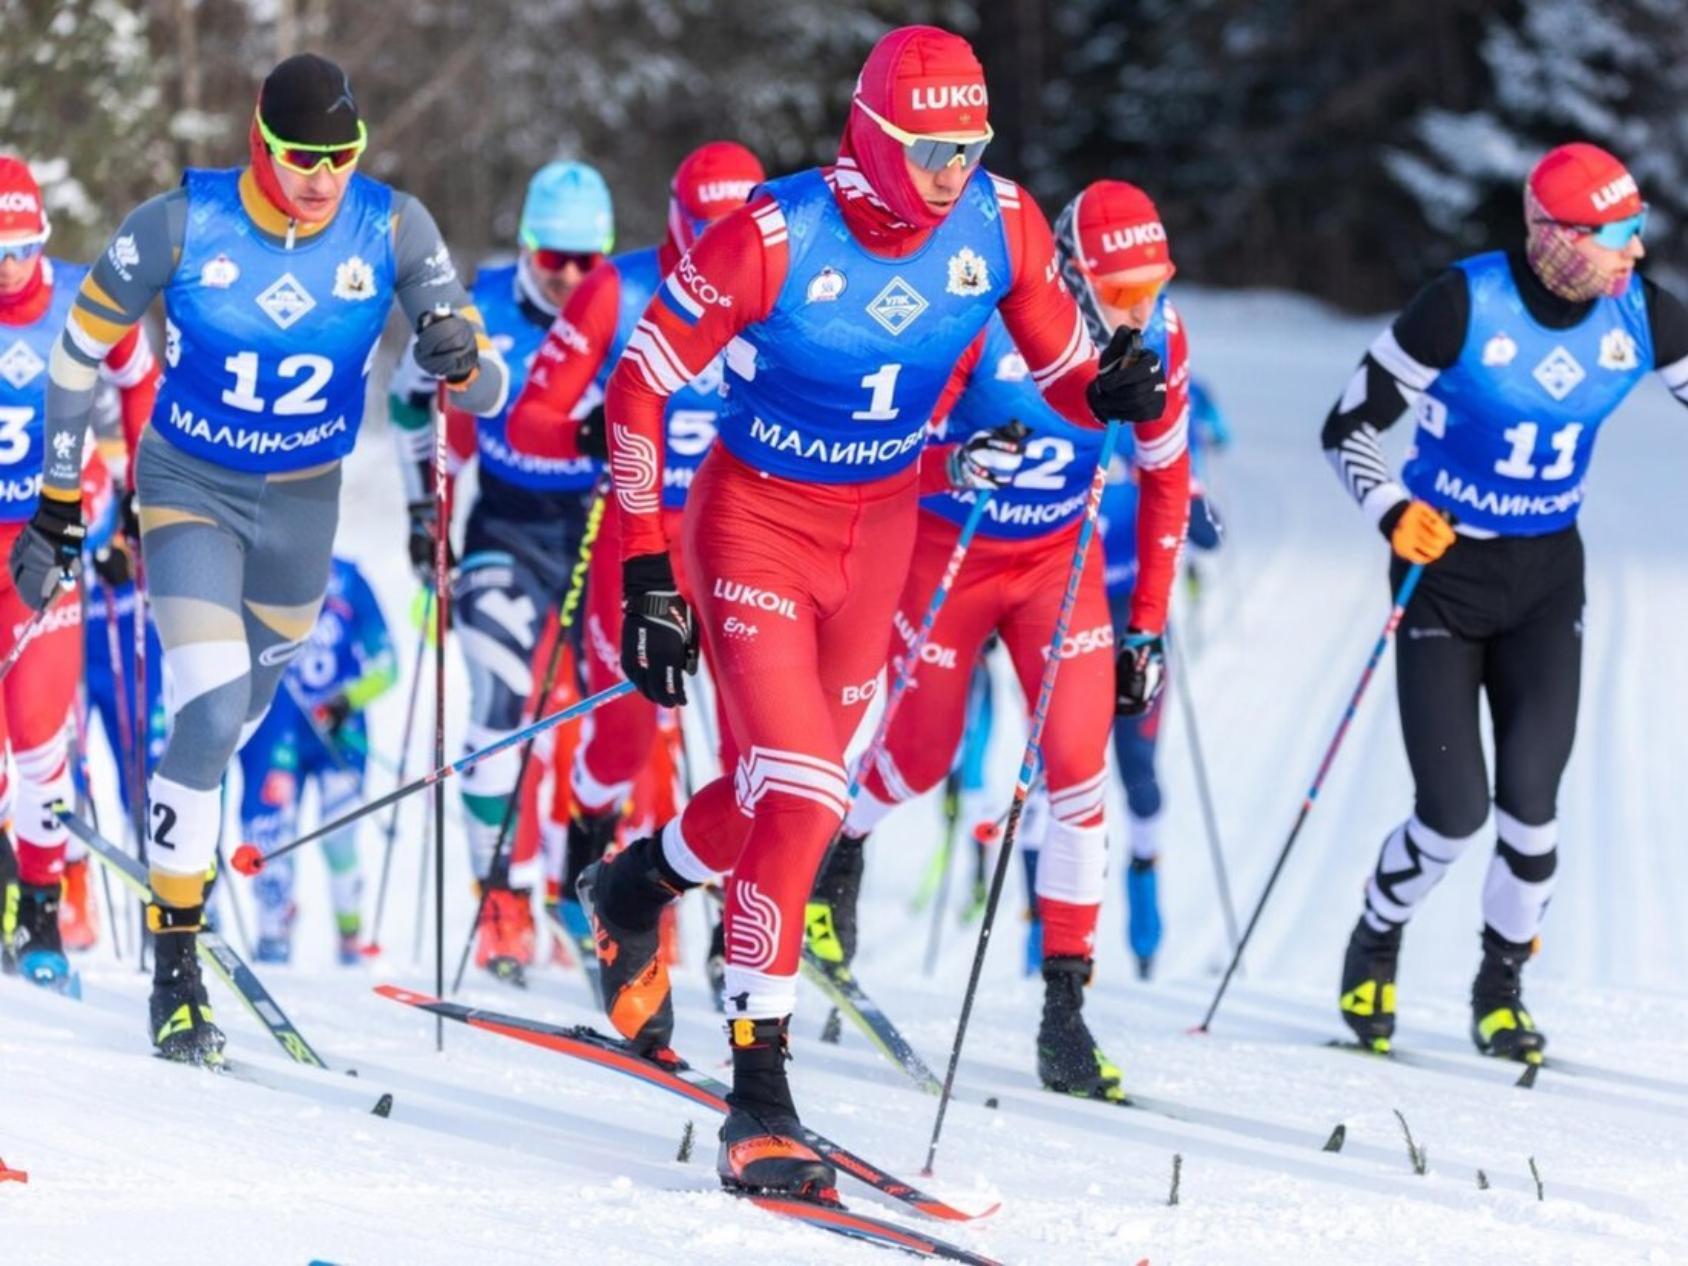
(1400, 364)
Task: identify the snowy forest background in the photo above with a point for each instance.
(1336, 147)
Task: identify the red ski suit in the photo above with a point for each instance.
(36, 695)
(795, 581)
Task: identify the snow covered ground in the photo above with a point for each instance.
(499, 1152)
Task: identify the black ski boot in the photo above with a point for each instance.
(1500, 1026)
(1368, 984)
(182, 1027)
(624, 897)
(34, 947)
(1068, 1060)
(829, 918)
(589, 835)
(762, 1147)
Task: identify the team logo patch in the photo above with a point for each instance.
(1012, 368)
(968, 273)
(1500, 350)
(64, 444)
(1559, 373)
(285, 300)
(1617, 351)
(219, 273)
(20, 364)
(354, 279)
(896, 306)
(124, 255)
(826, 285)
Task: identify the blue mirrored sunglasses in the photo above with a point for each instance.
(1614, 236)
(24, 251)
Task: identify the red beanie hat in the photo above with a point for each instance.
(710, 181)
(1120, 229)
(1581, 183)
(923, 80)
(22, 215)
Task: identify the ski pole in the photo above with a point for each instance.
(140, 810)
(565, 621)
(85, 789)
(1029, 763)
(442, 567)
(35, 623)
(1409, 582)
(1210, 819)
(392, 828)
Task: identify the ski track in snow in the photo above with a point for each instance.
(498, 1151)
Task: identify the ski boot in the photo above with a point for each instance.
(79, 922)
(1500, 1026)
(504, 936)
(1368, 984)
(182, 1025)
(1143, 927)
(829, 918)
(589, 835)
(349, 930)
(1068, 1060)
(8, 901)
(762, 1148)
(624, 897)
(37, 952)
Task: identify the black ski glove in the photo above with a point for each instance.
(424, 527)
(332, 714)
(988, 459)
(1139, 673)
(47, 549)
(591, 435)
(658, 634)
(112, 565)
(445, 346)
(1129, 384)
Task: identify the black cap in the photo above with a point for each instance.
(308, 99)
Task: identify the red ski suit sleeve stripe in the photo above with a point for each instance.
(1163, 481)
(573, 352)
(1050, 333)
(741, 264)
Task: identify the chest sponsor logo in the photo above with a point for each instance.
(896, 306)
(1559, 373)
(968, 273)
(124, 255)
(826, 285)
(354, 279)
(1617, 351)
(219, 273)
(1500, 351)
(759, 599)
(285, 300)
(20, 365)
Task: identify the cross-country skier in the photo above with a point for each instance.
(581, 351)
(843, 297)
(315, 732)
(1510, 361)
(1113, 251)
(522, 537)
(277, 279)
(36, 293)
